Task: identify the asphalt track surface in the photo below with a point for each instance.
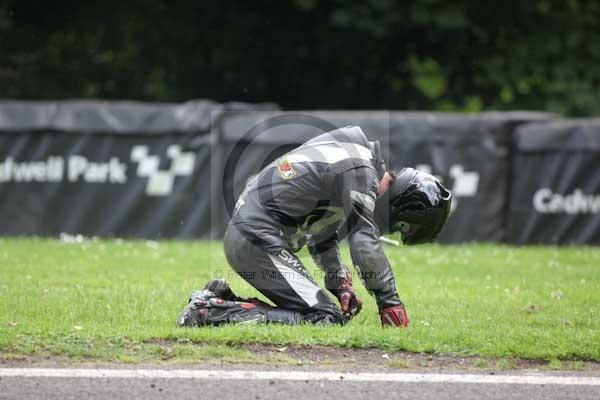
(116, 384)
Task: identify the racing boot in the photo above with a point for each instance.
(206, 308)
(221, 288)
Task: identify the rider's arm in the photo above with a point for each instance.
(357, 190)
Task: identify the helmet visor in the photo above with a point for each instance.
(431, 225)
(407, 230)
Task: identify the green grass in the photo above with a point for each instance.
(118, 301)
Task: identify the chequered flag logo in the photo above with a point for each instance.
(161, 182)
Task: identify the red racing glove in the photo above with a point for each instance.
(350, 303)
(341, 287)
(394, 316)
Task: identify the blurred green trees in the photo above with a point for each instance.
(422, 54)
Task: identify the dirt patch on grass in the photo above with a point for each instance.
(309, 357)
(380, 359)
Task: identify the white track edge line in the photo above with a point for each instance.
(526, 379)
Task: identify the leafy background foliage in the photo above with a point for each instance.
(424, 54)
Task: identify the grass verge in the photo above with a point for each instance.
(112, 300)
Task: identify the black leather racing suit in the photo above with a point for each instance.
(314, 195)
